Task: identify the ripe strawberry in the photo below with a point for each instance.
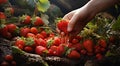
(73, 54)
(102, 43)
(11, 28)
(74, 41)
(39, 36)
(34, 30)
(41, 42)
(44, 34)
(99, 56)
(20, 42)
(28, 49)
(52, 51)
(3, 1)
(60, 50)
(2, 15)
(37, 21)
(77, 46)
(24, 31)
(25, 19)
(8, 57)
(56, 50)
(30, 35)
(56, 41)
(62, 26)
(41, 50)
(88, 45)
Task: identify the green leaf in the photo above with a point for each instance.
(116, 25)
(43, 5)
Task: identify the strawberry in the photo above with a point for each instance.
(28, 49)
(60, 50)
(19, 42)
(77, 46)
(30, 35)
(11, 28)
(62, 26)
(74, 41)
(88, 45)
(53, 50)
(41, 50)
(39, 36)
(34, 30)
(3, 1)
(73, 54)
(102, 43)
(25, 19)
(56, 41)
(44, 34)
(37, 21)
(2, 15)
(99, 56)
(24, 31)
(8, 57)
(41, 42)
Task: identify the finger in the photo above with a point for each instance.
(72, 22)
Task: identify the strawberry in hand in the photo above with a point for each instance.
(62, 26)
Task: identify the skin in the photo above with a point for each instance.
(80, 17)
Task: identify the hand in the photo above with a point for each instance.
(77, 20)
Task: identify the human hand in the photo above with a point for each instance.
(77, 20)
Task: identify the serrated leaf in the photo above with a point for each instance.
(43, 5)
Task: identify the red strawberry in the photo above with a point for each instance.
(44, 34)
(8, 57)
(34, 30)
(56, 41)
(3, 1)
(25, 19)
(53, 50)
(74, 41)
(20, 42)
(73, 54)
(38, 21)
(62, 26)
(24, 31)
(77, 46)
(41, 50)
(30, 35)
(11, 28)
(99, 56)
(88, 45)
(39, 36)
(41, 42)
(28, 49)
(102, 43)
(2, 15)
(60, 50)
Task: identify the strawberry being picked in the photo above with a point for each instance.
(62, 26)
